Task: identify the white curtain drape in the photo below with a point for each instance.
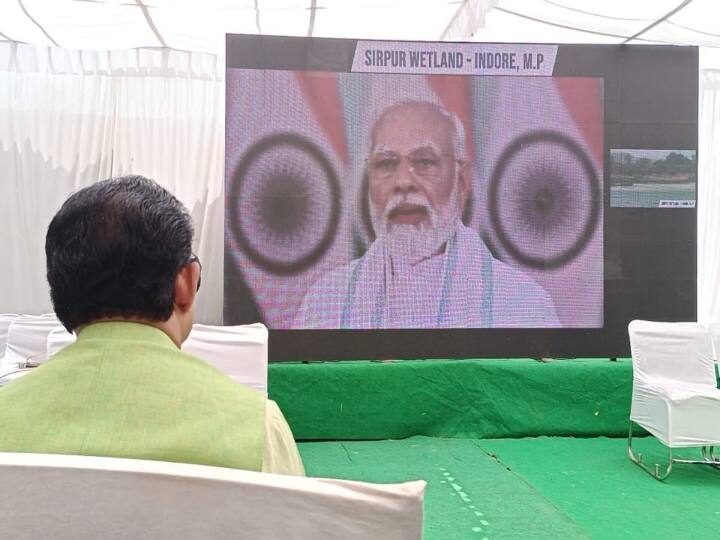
(69, 118)
(709, 197)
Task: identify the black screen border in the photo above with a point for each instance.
(650, 255)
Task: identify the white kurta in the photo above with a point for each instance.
(464, 287)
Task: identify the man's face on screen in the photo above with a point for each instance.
(414, 180)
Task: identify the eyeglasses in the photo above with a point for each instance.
(423, 163)
(194, 258)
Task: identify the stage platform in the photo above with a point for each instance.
(533, 488)
(476, 399)
(477, 432)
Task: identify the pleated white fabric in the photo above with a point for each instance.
(70, 118)
(27, 340)
(708, 195)
(5, 320)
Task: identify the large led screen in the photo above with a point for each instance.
(378, 189)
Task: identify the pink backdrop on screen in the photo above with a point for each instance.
(297, 144)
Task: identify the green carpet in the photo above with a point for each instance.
(469, 494)
(594, 482)
(453, 398)
(534, 487)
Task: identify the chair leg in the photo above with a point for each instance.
(638, 460)
(708, 458)
(708, 454)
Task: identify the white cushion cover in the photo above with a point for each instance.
(240, 352)
(57, 339)
(5, 320)
(27, 339)
(674, 388)
(80, 497)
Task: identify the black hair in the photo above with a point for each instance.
(114, 249)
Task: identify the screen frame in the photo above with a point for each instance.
(650, 254)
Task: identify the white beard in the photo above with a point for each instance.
(410, 244)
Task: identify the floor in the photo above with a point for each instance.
(543, 487)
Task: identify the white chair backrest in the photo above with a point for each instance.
(5, 320)
(27, 339)
(80, 497)
(681, 352)
(238, 351)
(57, 339)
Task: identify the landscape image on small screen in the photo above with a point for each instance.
(653, 178)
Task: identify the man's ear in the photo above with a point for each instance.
(186, 287)
(465, 176)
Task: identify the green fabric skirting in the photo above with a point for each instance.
(453, 398)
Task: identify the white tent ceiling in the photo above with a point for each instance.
(200, 25)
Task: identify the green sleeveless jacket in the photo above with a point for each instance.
(125, 390)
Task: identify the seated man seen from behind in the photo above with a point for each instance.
(123, 277)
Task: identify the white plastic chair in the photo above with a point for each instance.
(5, 320)
(27, 340)
(674, 395)
(57, 339)
(80, 497)
(240, 352)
